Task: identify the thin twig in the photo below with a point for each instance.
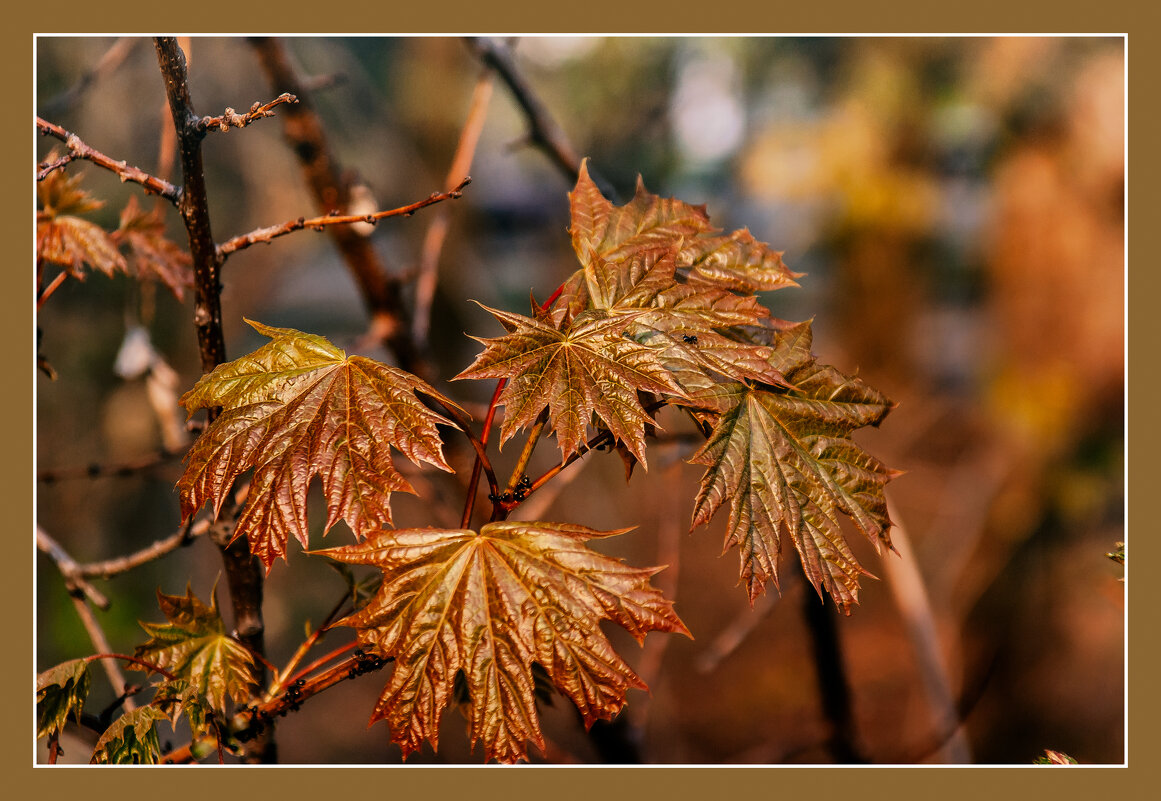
(257, 111)
(910, 594)
(382, 293)
(433, 240)
(265, 235)
(70, 570)
(97, 470)
(152, 184)
(543, 132)
(107, 63)
(122, 564)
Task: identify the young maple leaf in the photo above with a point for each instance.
(659, 260)
(194, 646)
(296, 407)
(784, 458)
(588, 368)
(492, 604)
(152, 254)
(61, 691)
(64, 238)
(614, 234)
(131, 739)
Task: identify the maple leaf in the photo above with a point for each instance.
(64, 238)
(492, 604)
(660, 260)
(61, 691)
(296, 407)
(131, 739)
(603, 232)
(588, 368)
(784, 459)
(152, 254)
(194, 646)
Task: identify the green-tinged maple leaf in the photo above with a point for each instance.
(492, 604)
(194, 646)
(784, 460)
(181, 696)
(131, 739)
(588, 368)
(64, 238)
(152, 254)
(296, 407)
(61, 691)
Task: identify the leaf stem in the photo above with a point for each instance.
(126, 658)
(474, 481)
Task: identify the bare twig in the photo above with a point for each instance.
(910, 594)
(97, 470)
(543, 132)
(122, 564)
(152, 184)
(70, 570)
(257, 111)
(729, 638)
(382, 293)
(265, 235)
(112, 58)
(81, 593)
(433, 240)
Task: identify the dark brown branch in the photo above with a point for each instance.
(194, 205)
(265, 235)
(382, 293)
(79, 150)
(235, 120)
(244, 573)
(543, 132)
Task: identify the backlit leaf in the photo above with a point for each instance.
(588, 368)
(60, 692)
(66, 239)
(194, 646)
(602, 232)
(784, 461)
(151, 253)
(299, 407)
(492, 604)
(131, 739)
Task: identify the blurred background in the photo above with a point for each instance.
(957, 205)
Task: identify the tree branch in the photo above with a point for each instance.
(543, 132)
(265, 235)
(382, 293)
(433, 240)
(243, 572)
(79, 150)
(257, 111)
